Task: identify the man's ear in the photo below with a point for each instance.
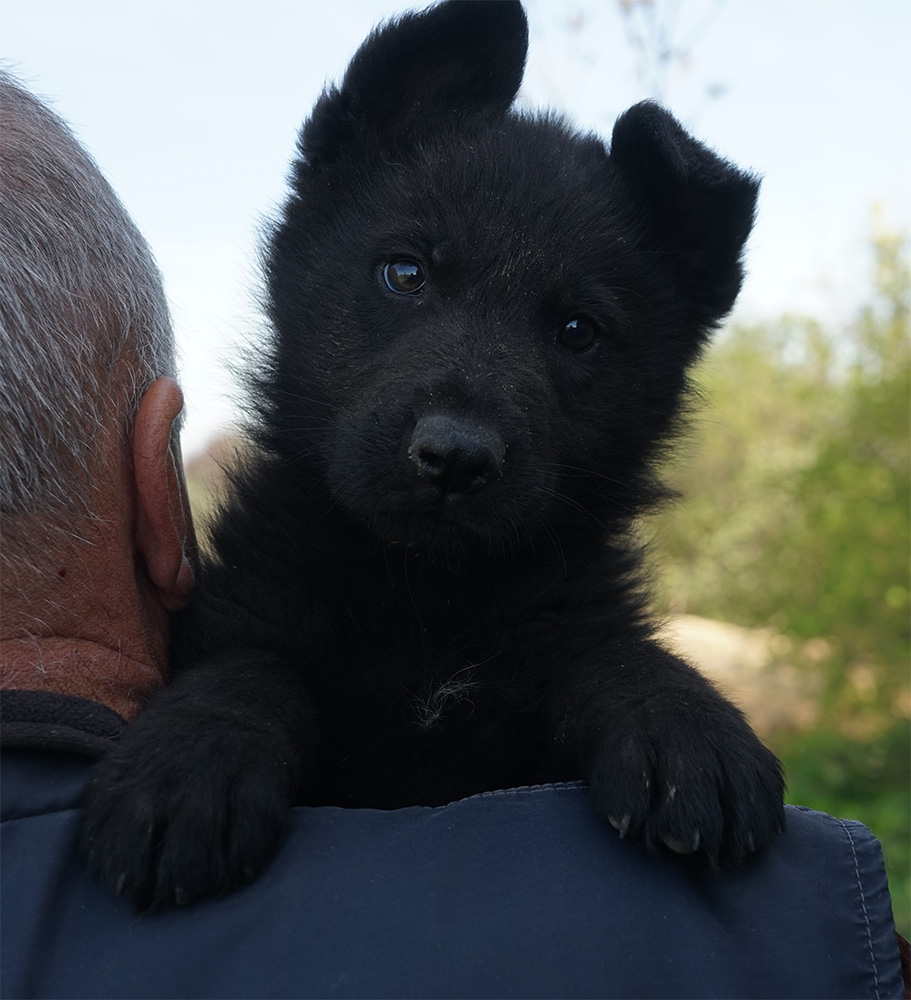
(163, 529)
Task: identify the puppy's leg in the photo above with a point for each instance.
(668, 759)
(193, 800)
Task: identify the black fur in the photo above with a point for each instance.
(424, 584)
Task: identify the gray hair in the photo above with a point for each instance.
(84, 323)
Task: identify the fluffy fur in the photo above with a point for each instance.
(424, 585)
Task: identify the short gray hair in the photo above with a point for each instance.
(84, 322)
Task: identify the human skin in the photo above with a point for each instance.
(86, 613)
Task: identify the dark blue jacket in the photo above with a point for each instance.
(520, 893)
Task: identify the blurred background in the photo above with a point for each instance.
(784, 571)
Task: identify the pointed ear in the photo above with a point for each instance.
(694, 204)
(163, 529)
(459, 57)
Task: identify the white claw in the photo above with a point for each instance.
(680, 848)
(622, 825)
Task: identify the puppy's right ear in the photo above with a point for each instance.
(458, 58)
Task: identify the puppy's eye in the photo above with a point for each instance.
(405, 277)
(578, 335)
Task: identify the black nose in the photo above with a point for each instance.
(454, 454)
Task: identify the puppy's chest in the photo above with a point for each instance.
(421, 670)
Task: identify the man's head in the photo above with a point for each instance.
(84, 325)
(94, 520)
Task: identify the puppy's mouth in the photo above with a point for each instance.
(447, 483)
(452, 484)
(427, 514)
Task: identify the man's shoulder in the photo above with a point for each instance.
(522, 892)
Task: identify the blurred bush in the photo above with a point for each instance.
(797, 479)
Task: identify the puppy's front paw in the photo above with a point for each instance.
(695, 781)
(186, 810)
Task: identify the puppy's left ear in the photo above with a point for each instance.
(457, 58)
(695, 207)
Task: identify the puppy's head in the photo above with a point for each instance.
(483, 319)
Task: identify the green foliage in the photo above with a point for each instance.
(799, 496)
(798, 516)
(848, 541)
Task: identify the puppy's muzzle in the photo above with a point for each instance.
(454, 454)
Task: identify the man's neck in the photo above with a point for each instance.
(78, 616)
(80, 668)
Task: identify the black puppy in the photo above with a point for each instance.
(424, 584)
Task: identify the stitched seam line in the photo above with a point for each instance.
(527, 789)
(863, 904)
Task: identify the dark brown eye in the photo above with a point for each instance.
(404, 277)
(578, 335)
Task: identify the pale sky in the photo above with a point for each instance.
(191, 108)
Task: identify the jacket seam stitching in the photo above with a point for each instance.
(863, 904)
